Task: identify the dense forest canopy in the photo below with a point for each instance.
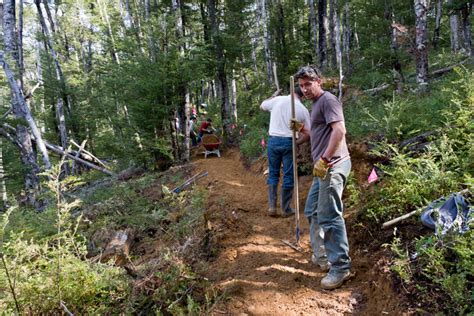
(118, 73)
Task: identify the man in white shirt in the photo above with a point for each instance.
(280, 148)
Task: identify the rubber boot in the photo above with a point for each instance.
(286, 196)
(272, 200)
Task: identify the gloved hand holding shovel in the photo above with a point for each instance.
(295, 125)
(321, 168)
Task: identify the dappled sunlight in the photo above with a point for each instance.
(237, 184)
(258, 284)
(289, 269)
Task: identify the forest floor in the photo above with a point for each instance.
(259, 274)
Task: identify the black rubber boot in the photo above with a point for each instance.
(286, 196)
(272, 200)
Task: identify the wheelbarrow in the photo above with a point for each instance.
(211, 144)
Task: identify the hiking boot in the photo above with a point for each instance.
(272, 200)
(333, 280)
(286, 196)
(323, 265)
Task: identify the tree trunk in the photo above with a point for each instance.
(266, 41)
(337, 42)
(3, 187)
(314, 29)
(61, 124)
(27, 154)
(221, 71)
(105, 18)
(39, 74)
(322, 20)
(421, 9)
(127, 17)
(151, 40)
(138, 24)
(234, 98)
(282, 38)
(454, 25)
(185, 102)
(21, 66)
(60, 118)
(356, 37)
(22, 111)
(174, 136)
(466, 12)
(439, 10)
(49, 16)
(332, 35)
(346, 38)
(396, 67)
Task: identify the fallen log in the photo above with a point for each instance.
(4, 128)
(100, 162)
(444, 70)
(58, 150)
(377, 89)
(189, 181)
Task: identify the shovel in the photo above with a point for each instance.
(296, 244)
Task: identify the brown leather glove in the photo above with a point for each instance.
(295, 125)
(321, 168)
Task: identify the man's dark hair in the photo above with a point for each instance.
(298, 92)
(209, 120)
(311, 72)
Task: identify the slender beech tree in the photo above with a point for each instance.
(454, 25)
(266, 40)
(221, 70)
(60, 117)
(332, 35)
(3, 187)
(337, 43)
(322, 21)
(314, 29)
(421, 12)
(346, 37)
(23, 140)
(396, 63)
(21, 66)
(21, 110)
(184, 106)
(439, 11)
(234, 97)
(466, 13)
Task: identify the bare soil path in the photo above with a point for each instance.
(257, 272)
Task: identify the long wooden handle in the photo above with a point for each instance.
(295, 162)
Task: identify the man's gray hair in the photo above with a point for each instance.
(312, 72)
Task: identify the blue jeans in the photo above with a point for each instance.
(280, 150)
(323, 209)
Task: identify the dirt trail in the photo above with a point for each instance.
(259, 274)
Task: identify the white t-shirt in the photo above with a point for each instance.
(280, 115)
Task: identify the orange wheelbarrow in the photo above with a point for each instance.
(211, 144)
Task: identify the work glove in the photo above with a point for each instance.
(321, 168)
(295, 125)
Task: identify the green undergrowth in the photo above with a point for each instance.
(51, 261)
(410, 180)
(436, 272)
(397, 117)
